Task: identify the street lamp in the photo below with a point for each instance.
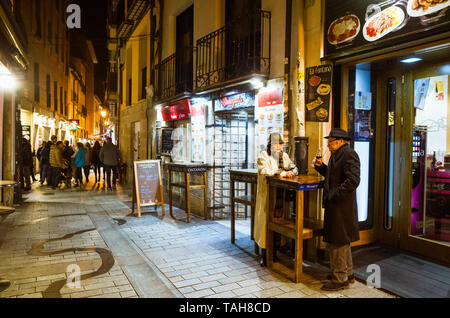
(104, 113)
(7, 80)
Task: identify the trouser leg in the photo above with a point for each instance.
(108, 175)
(349, 261)
(114, 170)
(338, 262)
(27, 176)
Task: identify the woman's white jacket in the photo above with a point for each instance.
(267, 166)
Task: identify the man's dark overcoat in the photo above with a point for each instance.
(342, 177)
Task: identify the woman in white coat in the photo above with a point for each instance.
(270, 163)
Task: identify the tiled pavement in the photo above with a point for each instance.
(123, 256)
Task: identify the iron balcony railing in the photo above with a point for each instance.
(241, 48)
(175, 76)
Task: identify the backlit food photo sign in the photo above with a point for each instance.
(356, 26)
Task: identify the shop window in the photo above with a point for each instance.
(430, 198)
(143, 83)
(362, 116)
(129, 91)
(36, 83)
(49, 94)
(55, 95)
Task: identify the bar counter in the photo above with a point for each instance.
(291, 228)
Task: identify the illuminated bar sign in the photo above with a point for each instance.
(235, 102)
(176, 111)
(74, 124)
(357, 26)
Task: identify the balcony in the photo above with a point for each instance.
(234, 52)
(174, 77)
(135, 11)
(136, 8)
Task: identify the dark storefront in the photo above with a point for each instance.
(391, 92)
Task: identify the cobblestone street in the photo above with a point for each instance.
(123, 256)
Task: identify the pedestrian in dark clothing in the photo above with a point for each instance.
(33, 177)
(95, 160)
(110, 157)
(27, 163)
(87, 161)
(67, 157)
(44, 162)
(51, 170)
(342, 177)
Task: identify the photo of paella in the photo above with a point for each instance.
(417, 8)
(314, 81)
(343, 29)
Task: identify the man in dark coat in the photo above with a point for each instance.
(342, 177)
(27, 163)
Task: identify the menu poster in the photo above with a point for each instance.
(148, 184)
(198, 131)
(362, 125)
(420, 92)
(166, 141)
(357, 26)
(270, 116)
(318, 93)
(26, 132)
(363, 100)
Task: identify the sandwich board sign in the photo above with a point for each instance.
(147, 185)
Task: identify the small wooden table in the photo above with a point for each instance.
(5, 210)
(248, 176)
(187, 169)
(293, 229)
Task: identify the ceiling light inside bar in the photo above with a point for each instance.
(410, 60)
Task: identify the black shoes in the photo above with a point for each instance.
(332, 286)
(351, 278)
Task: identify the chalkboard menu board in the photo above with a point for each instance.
(147, 184)
(318, 91)
(166, 141)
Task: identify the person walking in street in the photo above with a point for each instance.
(79, 156)
(110, 157)
(95, 160)
(44, 162)
(56, 163)
(271, 162)
(342, 177)
(67, 157)
(53, 141)
(33, 177)
(87, 161)
(27, 164)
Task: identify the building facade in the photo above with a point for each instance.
(43, 104)
(317, 66)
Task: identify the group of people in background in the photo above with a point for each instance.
(64, 166)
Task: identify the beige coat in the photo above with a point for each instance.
(267, 166)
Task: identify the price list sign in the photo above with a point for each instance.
(147, 184)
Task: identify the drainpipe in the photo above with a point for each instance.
(151, 81)
(300, 76)
(287, 70)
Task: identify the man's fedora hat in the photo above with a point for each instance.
(338, 133)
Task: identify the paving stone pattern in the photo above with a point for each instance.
(54, 229)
